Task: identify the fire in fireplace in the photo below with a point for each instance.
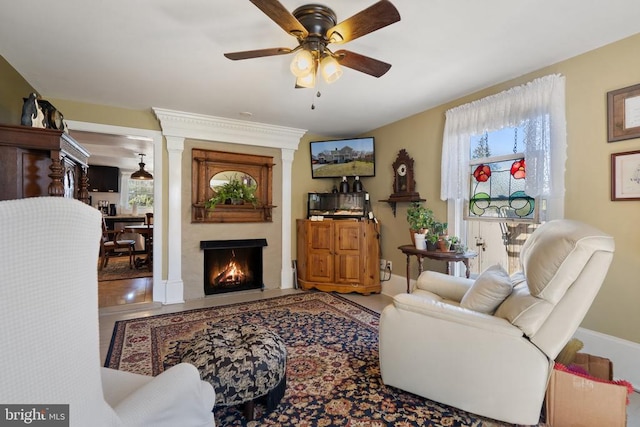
(232, 265)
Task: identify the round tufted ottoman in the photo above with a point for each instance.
(242, 362)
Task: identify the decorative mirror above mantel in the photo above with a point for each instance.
(212, 169)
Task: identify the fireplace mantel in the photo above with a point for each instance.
(178, 126)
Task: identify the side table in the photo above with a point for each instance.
(448, 257)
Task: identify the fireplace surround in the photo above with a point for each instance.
(232, 265)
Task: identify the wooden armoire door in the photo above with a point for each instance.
(320, 251)
(348, 246)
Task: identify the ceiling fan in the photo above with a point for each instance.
(315, 26)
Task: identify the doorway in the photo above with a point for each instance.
(121, 146)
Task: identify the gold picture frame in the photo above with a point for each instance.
(623, 111)
(625, 176)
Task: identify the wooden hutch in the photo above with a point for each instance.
(339, 255)
(39, 162)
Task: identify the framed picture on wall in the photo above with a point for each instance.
(623, 111)
(625, 176)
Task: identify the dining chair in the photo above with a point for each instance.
(111, 244)
(149, 237)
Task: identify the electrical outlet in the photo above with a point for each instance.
(389, 265)
(383, 264)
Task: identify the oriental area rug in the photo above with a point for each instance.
(332, 374)
(118, 269)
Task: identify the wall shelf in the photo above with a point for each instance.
(408, 198)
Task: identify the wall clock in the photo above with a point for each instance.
(404, 183)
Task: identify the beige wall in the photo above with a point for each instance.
(13, 87)
(589, 77)
(106, 115)
(302, 183)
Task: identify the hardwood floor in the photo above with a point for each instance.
(132, 300)
(118, 293)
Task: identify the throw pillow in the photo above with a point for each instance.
(488, 291)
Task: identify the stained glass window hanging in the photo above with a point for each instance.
(497, 174)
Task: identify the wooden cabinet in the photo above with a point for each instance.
(39, 162)
(338, 255)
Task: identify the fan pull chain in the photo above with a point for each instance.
(313, 105)
(515, 141)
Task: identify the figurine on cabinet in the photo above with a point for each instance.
(32, 114)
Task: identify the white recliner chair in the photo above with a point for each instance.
(50, 339)
(487, 346)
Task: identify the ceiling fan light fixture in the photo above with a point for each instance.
(331, 70)
(307, 81)
(302, 64)
(336, 37)
(141, 174)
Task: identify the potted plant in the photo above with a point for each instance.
(455, 244)
(432, 241)
(440, 228)
(233, 192)
(420, 219)
(443, 244)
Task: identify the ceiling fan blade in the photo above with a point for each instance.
(248, 54)
(373, 18)
(281, 16)
(362, 63)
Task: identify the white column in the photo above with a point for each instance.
(174, 292)
(286, 276)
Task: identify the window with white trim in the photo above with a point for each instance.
(508, 182)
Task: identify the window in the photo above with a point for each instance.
(503, 160)
(135, 191)
(140, 192)
(497, 177)
(537, 108)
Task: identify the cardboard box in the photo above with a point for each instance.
(574, 400)
(598, 367)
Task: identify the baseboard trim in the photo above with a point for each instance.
(624, 354)
(395, 285)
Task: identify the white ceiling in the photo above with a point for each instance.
(169, 54)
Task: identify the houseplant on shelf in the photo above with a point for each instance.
(234, 192)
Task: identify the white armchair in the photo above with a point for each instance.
(445, 342)
(49, 334)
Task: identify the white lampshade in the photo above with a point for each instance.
(302, 63)
(307, 81)
(331, 70)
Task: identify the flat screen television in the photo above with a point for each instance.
(343, 157)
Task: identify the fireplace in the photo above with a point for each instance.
(232, 265)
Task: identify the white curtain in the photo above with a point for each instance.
(540, 105)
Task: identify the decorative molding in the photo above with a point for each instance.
(212, 128)
(178, 125)
(286, 272)
(175, 286)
